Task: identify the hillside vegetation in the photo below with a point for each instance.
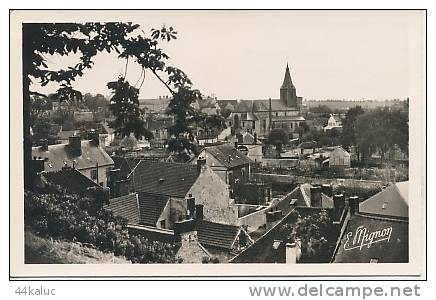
(40, 250)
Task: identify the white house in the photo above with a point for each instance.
(334, 122)
(339, 158)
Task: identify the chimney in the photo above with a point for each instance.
(240, 138)
(338, 206)
(327, 189)
(272, 217)
(44, 144)
(255, 138)
(199, 212)
(201, 162)
(190, 206)
(291, 253)
(76, 144)
(315, 196)
(185, 231)
(122, 187)
(94, 136)
(38, 165)
(354, 204)
(298, 242)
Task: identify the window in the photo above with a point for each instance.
(277, 114)
(94, 173)
(254, 125)
(162, 224)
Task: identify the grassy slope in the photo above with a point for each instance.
(39, 250)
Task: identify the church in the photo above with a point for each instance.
(261, 116)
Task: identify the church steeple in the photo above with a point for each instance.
(288, 92)
(287, 81)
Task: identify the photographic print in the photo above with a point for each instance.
(233, 142)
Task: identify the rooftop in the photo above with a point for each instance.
(164, 178)
(151, 207)
(125, 206)
(216, 234)
(61, 155)
(390, 243)
(228, 156)
(71, 180)
(392, 201)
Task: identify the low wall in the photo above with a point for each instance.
(335, 182)
(280, 163)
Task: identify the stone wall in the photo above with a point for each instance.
(213, 193)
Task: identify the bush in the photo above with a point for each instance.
(60, 215)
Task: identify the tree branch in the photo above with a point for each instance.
(163, 82)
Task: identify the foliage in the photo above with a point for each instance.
(124, 105)
(66, 216)
(93, 102)
(348, 127)
(329, 138)
(321, 109)
(41, 40)
(316, 235)
(278, 137)
(39, 106)
(380, 130)
(43, 129)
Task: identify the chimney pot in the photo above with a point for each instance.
(76, 144)
(353, 202)
(327, 189)
(291, 253)
(315, 196)
(338, 206)
(201, 161)
(199, 212)
(94, 136)
(44, 144)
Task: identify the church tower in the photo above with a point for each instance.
(288, 93)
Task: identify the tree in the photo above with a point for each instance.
(278, 137)
(321, 109)
(126, 39)
(124, 105)
(348, 137)
(95, 102)
(380, 130)
(317, 238)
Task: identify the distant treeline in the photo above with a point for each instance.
(345, 104)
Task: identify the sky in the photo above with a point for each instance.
(243, 54)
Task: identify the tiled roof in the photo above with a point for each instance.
(70, 179)
(288, 118)
(125, 206)
(389, 246)
(241, 106)
(151, 207)
(58, 155)
(164, 178)
(392, 201)
(125, 164)
(301, 197)
(216, 234)
(228, 156)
